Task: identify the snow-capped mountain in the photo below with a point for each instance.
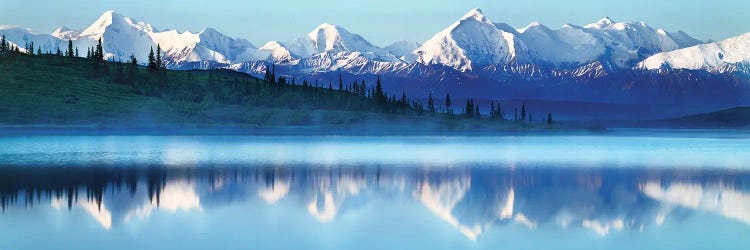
(20, 37)
(471, 41)
(123, 36)
(327, 40)
(330, 48)
(475, 41)
(403, 50)
(725, 56)
(473, 57)
(66, 33)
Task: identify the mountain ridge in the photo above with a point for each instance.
(473, 56)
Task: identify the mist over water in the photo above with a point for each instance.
(644, 149)
(655, 191)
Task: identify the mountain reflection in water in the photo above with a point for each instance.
(472, 200)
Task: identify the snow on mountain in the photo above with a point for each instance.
(20, 37)
(121, 36)
(569, 45)
(472, 40)
(65, 33)
(716, 56)
(326, 38)
(475, 41)
(207, 45)
(328, 48)
(633, 41)
(279, 53)
(403, 50)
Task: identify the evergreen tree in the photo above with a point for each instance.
(549, 119)
(499, 112)
(448, 108)
(88, 53)
(341, 82)
(76, 51)
(476, 112)
(492, 109)
(59, 52)
(3, 45)
(151, 60)
(267, 75)
(39, 51)
(132, 71)
(70, 48)
(523, 112)
(431, 104)
(469, 109)
(379, 94)
(99, 54)
(531, 119)
(159, 63)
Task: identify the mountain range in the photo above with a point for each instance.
(474, 57)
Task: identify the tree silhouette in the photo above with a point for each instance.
(159, 63)
(341, 82)
(448, 109)
(70, 49)
(151, 60)
(499, 112)
(431, 104)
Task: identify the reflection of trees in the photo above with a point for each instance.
(471, 199)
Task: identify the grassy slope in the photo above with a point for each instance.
(44, 92)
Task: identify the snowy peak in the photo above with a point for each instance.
(329, 37)
(111, 20)
(403, 50)
(475, 41)
(472, 40)
(603, 23)
(65, 33)
(533, 26)
(475, 14)
(327, 45)
(726, 55)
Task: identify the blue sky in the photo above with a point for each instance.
(380, 21)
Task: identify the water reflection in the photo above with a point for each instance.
(471, 200)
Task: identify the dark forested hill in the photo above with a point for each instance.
(729, 118)
(53, 90)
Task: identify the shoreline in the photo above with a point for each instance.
(95, 130)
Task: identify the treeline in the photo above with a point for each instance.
(222, 86)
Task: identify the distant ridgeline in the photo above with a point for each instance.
(59, 88)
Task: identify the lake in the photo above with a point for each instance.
(629, 189)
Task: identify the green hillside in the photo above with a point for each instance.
(58, 91)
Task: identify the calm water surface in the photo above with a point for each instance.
(628, 190)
